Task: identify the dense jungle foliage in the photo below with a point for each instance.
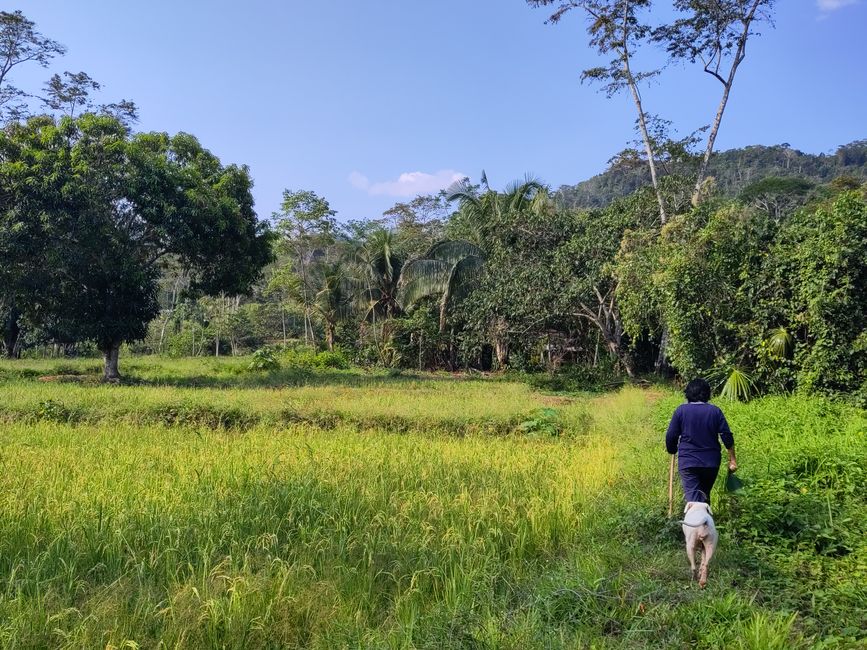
(762, 292)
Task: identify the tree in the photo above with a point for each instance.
(382, 257)
(776, 196)
(488, 218)
(715, 33)
(420, 222)
(306, 226)
(71, 94)
(20, 43)
(88, 214)
(825, 250)
(449, 271)
(334, 299)
(615, 30)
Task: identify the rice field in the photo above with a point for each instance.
(199, 506)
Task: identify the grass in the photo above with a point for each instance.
(408, 512)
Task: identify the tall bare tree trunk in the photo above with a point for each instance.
(642, 118)
(727, 87)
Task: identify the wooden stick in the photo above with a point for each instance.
(671, 487)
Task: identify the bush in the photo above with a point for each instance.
(574, 379)
(309, 359)
(264, 359)
(335, 359)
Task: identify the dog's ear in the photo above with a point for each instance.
(709, 511)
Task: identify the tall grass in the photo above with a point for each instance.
(121, 529)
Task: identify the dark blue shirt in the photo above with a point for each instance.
(694, 433)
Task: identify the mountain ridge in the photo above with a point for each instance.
(732, 169)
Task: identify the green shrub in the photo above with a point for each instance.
(335, 359)
(543, 422)
(264, 359)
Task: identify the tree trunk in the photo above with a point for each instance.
(623, 357)
(13, 330)
(110, 356)
(661, 364)
(727, 87)
(162, 334)
(329, 336)
(642, 120)
(501, 347)
(443, 308)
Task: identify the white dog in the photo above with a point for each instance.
(699, 530)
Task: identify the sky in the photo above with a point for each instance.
(370, 102)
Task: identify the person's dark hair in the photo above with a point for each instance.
(698, 390)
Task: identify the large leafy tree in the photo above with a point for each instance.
(89, 213)
(498, 224)
(825, 253)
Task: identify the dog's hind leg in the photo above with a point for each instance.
(690, 553)
(706, 555)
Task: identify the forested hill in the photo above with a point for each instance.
(733, 170)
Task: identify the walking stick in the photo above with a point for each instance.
(671, 486)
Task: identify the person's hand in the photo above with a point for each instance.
(733, 466)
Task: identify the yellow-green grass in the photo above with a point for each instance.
(159, 393)
(117, 529)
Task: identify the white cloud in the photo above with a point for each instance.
(359, 181)
(833, 5)
(408, 184)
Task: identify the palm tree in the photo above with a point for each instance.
(333, 301)
(450, 270)
(382, 260)
(486, 210)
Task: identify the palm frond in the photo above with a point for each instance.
(452, 251)
(738, 387)
(464, 277)
(518, 194)
(462, 191)
(421, 278)
(780, 343)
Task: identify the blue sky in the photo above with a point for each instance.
(367, 102)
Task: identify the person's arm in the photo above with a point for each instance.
(673, 434)
(728, 440)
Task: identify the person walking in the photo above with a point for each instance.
(694, 434)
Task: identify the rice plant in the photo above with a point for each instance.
(414, 512)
